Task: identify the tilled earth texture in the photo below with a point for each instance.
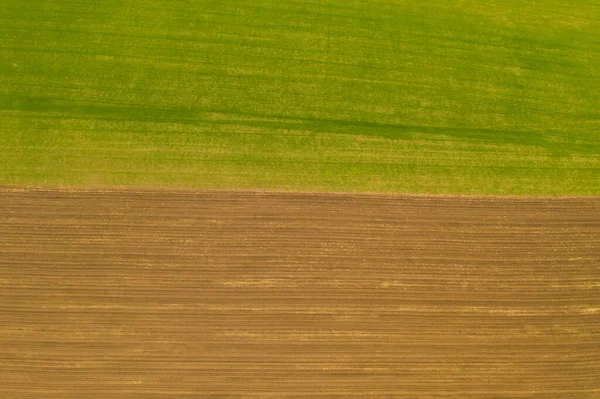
(209, 294)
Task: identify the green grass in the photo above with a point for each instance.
(395, 96)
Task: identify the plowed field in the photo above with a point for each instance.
(187, 294)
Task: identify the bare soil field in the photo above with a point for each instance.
(208, 294)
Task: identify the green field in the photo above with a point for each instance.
(495, 97)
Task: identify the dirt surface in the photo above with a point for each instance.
(160, 294)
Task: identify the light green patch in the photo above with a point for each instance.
(404, 96)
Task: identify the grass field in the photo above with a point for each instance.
(396, 96)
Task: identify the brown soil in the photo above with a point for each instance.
(164, 294)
